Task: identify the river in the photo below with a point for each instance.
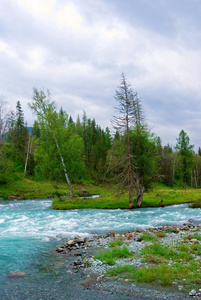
(30, 229)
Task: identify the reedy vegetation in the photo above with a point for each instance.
(80, 151)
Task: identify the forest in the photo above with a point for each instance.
(58, 148)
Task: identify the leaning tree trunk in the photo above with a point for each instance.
(27, 156)
(64, 168)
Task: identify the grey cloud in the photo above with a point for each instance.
(155, 43)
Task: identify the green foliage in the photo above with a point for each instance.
(196, 204)
(185, 155)
(144, 150)
(96, 142)
(18, 137)
(47, 158)
(36, 130)
(168, 162)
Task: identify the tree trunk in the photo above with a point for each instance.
(195, 174)
(130, 197)
(130, 181)
(27, 157)
(130, 184)
(64, 168)
(139, 198)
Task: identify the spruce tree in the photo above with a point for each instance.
(186, 156)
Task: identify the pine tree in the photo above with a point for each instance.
(18, 135)
(186, 156)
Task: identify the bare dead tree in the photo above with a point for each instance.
(129, 115)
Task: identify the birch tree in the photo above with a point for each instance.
(45, 110)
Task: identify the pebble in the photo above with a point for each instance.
(135, 244)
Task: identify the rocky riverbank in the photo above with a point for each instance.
(82, 251)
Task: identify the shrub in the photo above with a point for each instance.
(196, 204)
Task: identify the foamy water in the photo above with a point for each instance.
(27, 227)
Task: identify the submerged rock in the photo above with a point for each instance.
(17, 274)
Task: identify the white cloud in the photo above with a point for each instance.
(78, 49)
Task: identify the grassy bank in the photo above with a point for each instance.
(108, 199)
(162, 263)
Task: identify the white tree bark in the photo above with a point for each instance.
(27, 156)
(64, 168)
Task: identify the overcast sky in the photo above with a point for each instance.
(78, 49)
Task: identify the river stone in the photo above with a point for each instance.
(185, 227)
(17, 274)
(70, 242)
(59, 249)
(138, 239)
(192, 293)
(80, 240)
(194, 241)
(196, 229)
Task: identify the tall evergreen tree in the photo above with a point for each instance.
(18, 135)
(6, 163)
(168, 166)
(186, 156)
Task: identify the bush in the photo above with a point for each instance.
(196, 204)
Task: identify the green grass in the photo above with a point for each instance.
(146, 236)
(108, 199)
(110, 256)
(196, 236)
(163, 274)
(174, 263)
(160, 234)
(115, 243)
(156, 250)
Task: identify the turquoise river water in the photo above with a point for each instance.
(29, 229)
